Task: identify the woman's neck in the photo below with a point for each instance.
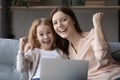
(74, 39)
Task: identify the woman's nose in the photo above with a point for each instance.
(60, 24)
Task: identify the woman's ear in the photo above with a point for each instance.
(73, 22)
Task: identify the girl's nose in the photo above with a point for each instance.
(45, 36)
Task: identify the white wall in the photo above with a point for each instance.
(22, 19)
(0, 21)
(110, 22)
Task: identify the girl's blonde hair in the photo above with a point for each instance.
(32, 36)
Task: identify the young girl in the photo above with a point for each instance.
(41, 37)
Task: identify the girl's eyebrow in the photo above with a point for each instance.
(40, 32)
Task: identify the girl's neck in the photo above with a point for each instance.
(50, 49)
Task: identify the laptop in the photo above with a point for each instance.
(63, 69)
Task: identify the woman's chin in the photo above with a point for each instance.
(64, 36)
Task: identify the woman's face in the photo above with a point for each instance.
(63, 24)
(45, 36)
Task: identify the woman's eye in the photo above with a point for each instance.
(64, 19)
(49, 32)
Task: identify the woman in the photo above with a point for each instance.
(91, 46)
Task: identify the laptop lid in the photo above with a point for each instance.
(62, 69)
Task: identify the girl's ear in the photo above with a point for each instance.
(36, 38)
(37, 42)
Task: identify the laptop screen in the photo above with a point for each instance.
(64, 69)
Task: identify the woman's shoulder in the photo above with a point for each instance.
(88, 34)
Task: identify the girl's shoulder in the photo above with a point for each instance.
(32, 51)
(61, 53)
(58, 50)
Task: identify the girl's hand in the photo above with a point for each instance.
(97, 20)
(23, 42)
(27, 47)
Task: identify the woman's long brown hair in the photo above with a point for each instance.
(60, 42)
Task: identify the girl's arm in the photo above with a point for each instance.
(22, 63)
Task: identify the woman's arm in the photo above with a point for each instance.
(100, 44)
(98, 27)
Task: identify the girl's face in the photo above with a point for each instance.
(63, 24)
(45, 36)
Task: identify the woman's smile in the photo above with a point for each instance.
(62, 30)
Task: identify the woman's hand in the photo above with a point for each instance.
(23, 42)
(98, 27)
(97, 20)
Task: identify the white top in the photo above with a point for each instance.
(45, 54)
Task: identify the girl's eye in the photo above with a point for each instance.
(54, 23)
(41, 34)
